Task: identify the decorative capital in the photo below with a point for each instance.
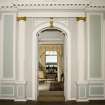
(81, 18)
(51, 22)
(21, 18)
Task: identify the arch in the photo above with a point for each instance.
(67, 83)
(56, 25)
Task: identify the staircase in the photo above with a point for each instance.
(51, 96)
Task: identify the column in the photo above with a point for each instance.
(81, 48)
(21, 48)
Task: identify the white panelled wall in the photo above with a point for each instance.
(85, 42)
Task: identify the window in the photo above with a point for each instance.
(51, 57)
(51, 62)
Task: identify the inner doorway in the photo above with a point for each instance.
(51, 65)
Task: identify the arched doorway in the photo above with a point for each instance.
(67, 60)
(51, 64)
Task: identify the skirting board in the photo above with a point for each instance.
(20, 100)
(82, 100)
(6, 98)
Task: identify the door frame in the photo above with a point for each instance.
(67, 60)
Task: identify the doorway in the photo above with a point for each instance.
(51, 65)
(67, 61)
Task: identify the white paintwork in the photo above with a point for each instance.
(21, 50)
(53, 4)
(99, 98)
(53, 11)
(83, 84)
(102, 46)
(65, 67)
(8, 95)
(1, 44)
(35, 61)
(14, 47)
(1, 47)
(85, 96)
(48, 13)
(20, 85)
(68, 69)
(95, 86)
(81, 50)
(82, 100)
(51, 35)
(104, 52)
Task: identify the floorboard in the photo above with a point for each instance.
(7, 102)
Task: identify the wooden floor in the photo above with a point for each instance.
(51, 96)
(6, 102)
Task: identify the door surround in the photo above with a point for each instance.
(67, 60)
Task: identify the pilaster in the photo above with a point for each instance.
(81, 47)
(21, 48)
(81, 83)
(20, 83)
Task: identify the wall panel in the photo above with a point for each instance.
(8, 33)
(95, 35)
(8, 46)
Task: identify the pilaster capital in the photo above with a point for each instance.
(21, 18)
(81, 18)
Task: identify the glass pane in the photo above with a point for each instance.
(51, 59)
(51, 53)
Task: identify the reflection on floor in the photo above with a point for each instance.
(43, 86)
(51, 96)
(51, 91)
(51, 86)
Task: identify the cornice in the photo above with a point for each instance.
(53, 4)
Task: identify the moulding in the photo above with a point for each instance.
(34, 61)
(82, 100)
(47, 13)
(19, 100)
(7, 98)
(88, 46)
(96, 99)
(20, 82)
(82, 82)
(53, 4)
(8, 86)
(14, 26)
(96, 86)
